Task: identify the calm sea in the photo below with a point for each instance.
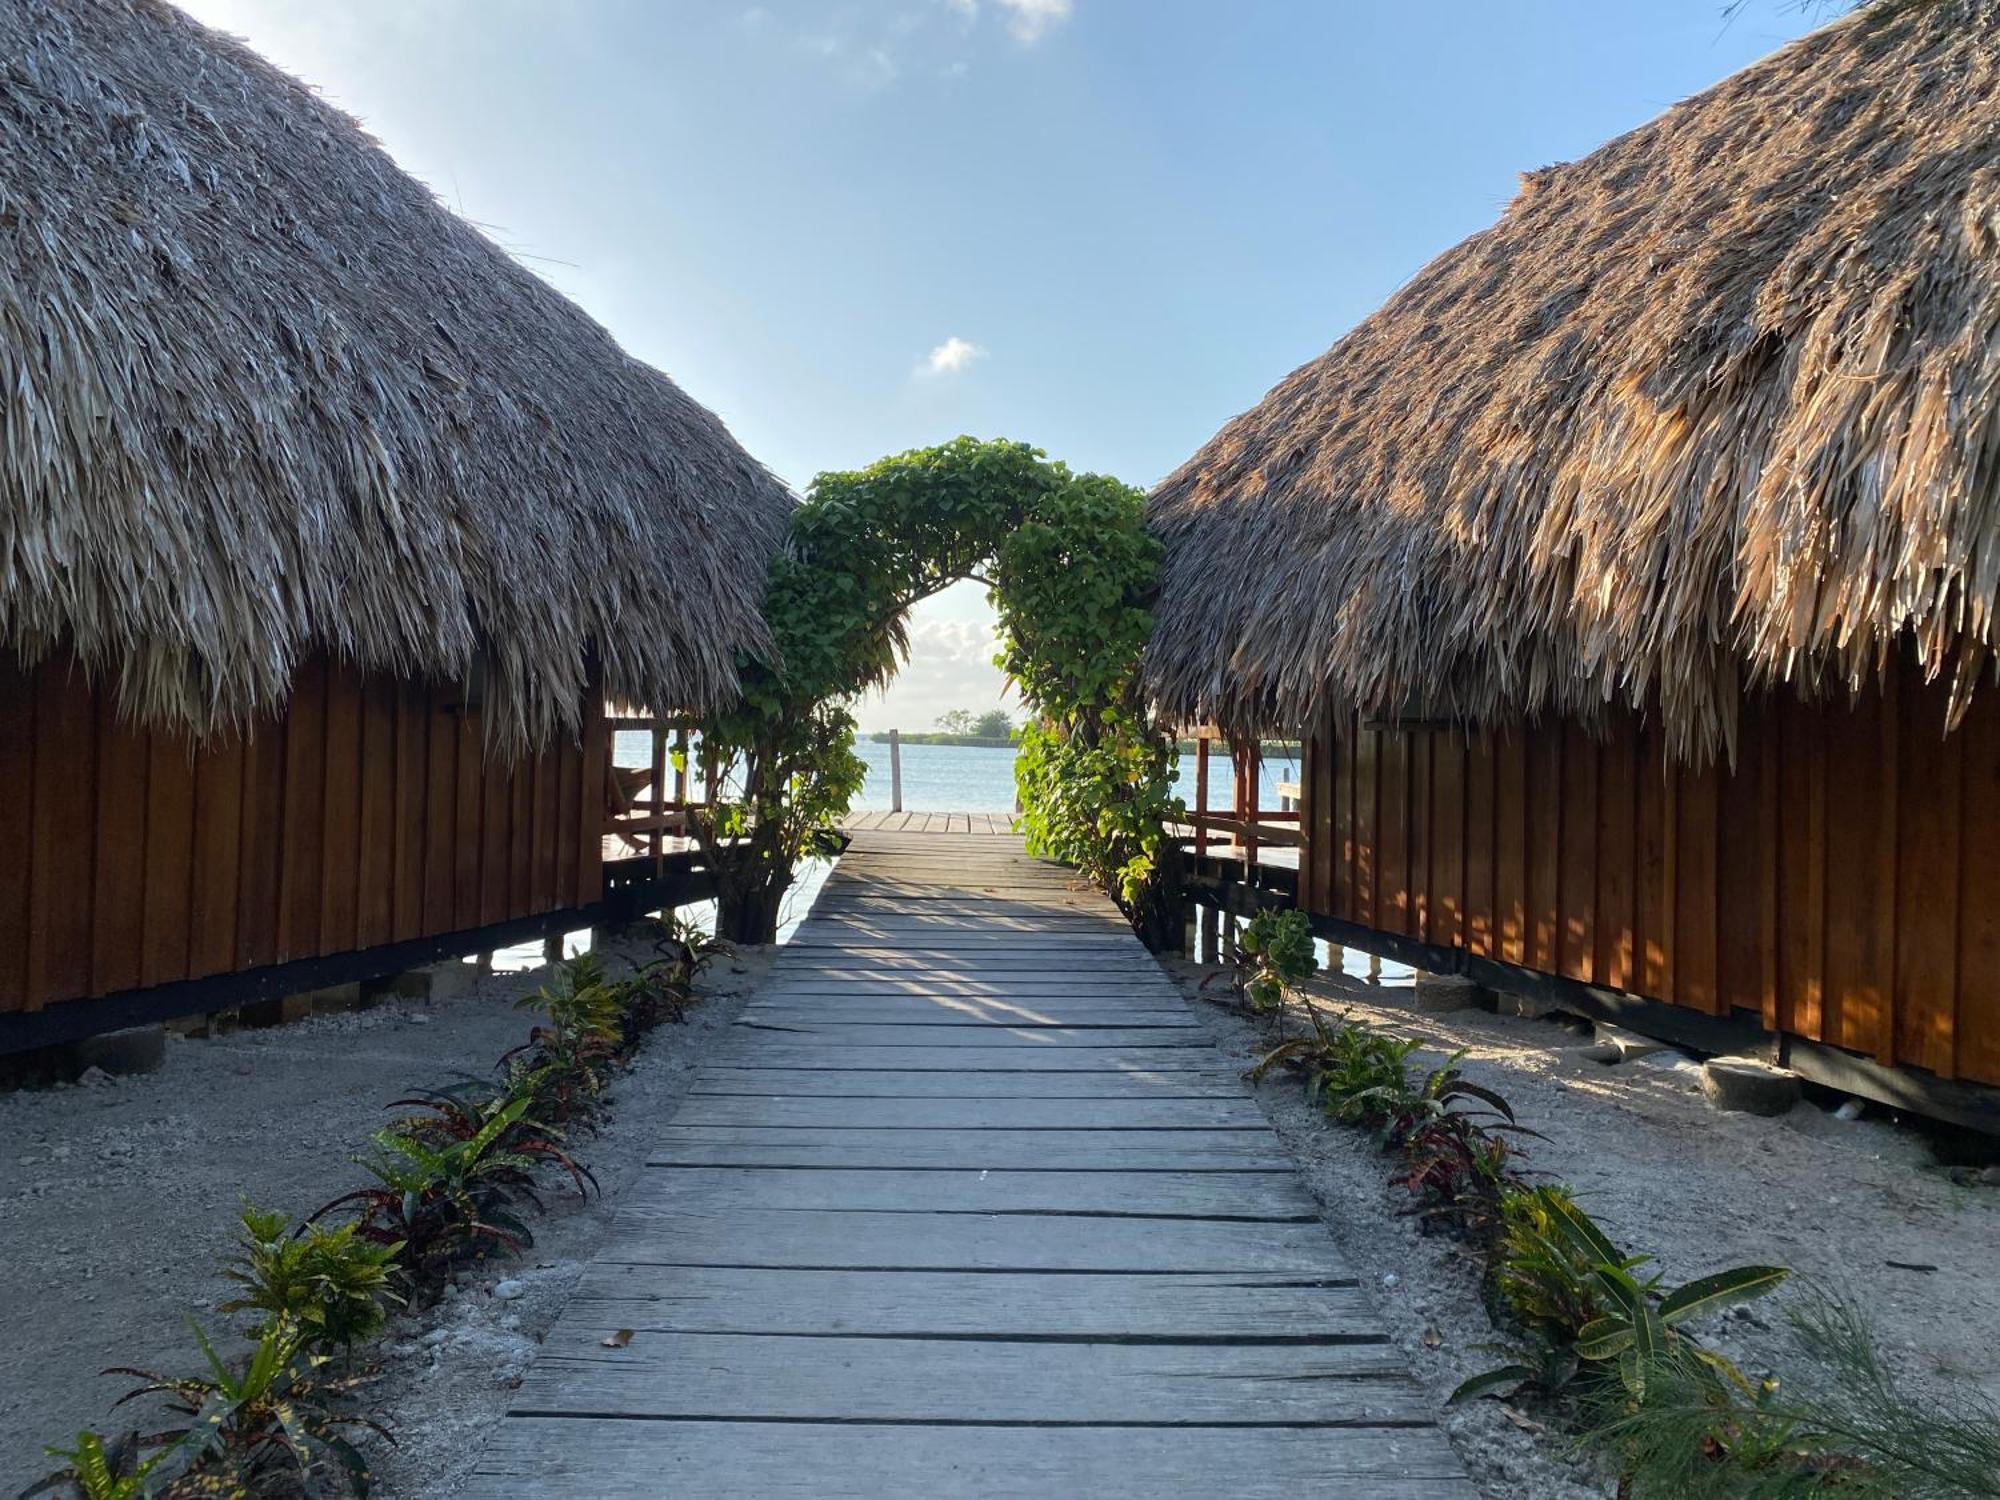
(958, 778)
(954, 778)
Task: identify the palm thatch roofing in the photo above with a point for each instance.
(1713, 407)
(261, 396)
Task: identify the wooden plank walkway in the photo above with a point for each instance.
(929, 822)
(968, 1206)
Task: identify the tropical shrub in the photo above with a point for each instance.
(452, 1198)
(1356, 1074)
(567, 1062)
(1846, 1428)
(1630, 1329)
(327, 1282)
(467, 1110)
(1457, 1167)
(95, 1470)
(1070, 563)
(275, 1422)
(1274, 956)
(663, 988)
(1546, 1252)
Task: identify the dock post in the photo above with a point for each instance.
(895, 770)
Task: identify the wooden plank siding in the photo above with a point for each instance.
(368, 814)
(1839, 881)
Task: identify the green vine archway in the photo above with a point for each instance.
(1069, 565)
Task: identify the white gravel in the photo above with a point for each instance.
(118, 1204)
(1666, 1175)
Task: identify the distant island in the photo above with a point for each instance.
(992, 730)
(943, 737)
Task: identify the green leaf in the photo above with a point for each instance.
(1490, 1381)
(1723, 1289)
(1604, 1339)
(1583, 1233)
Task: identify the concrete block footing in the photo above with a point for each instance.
(1527, 1007)
(115, 1054)
(1440, 994)
(138, 1049)
(1747, 1085)
(1628, 1044)
(439, 981)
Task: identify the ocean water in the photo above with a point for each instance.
(962, 778)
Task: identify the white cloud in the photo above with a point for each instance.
(950, 666)
(1031, 20)
(875, 44)
(953, 355)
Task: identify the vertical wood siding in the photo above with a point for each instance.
(1841, 881)
(368, 814)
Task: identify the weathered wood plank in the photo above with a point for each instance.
(765, 1050)
(976, 1114)
(1274, 1195)
(988, 1380)
(978, 1006)
(548, 1457)
(1193, 1307)
(965, 1150)
(900, 1034)
(905, 1240)
(860, 1083)
(949, 1010)
(786, 985)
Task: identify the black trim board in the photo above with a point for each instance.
(1970, 1105)
(628, 893)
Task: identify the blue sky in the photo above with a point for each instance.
(1103, 226)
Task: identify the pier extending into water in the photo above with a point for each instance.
(968, 1205)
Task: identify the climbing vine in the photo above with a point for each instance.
(1069, 565)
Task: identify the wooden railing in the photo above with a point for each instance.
(1246, 826)
(646, 807)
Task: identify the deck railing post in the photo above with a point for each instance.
(1249, 764)
(1200, 797)
(895, 770)
(658, 801)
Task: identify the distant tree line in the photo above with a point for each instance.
(992, 730)
(994, 724)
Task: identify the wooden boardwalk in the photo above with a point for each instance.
(967, 1206)
(929, 822)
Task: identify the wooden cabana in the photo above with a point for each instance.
(1632, 575)
(326, 529)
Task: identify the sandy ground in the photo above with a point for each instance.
(118, 1202)
(1665, 1174)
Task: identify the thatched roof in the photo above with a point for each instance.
(1715, 405)
(262, 396)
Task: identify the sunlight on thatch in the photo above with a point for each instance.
(265, 397)
(1713, 406)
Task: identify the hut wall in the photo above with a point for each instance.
(368, 814)
(1841, 882)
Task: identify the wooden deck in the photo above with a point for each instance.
(968, 1206)
(929, 822)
